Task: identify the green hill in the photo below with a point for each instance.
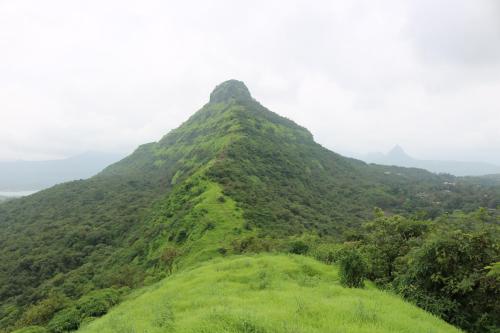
(232, 174)
(265, 293)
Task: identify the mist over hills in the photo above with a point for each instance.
(37, 175)
(397, 156)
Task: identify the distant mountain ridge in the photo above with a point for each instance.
(37, 175)
(398, 157)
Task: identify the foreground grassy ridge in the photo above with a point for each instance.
(264, 293)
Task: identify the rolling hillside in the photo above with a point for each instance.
(233, 172)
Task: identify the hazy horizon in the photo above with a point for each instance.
(362, 76)
(365, 156)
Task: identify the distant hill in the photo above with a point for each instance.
(397, 156)
(37, 175)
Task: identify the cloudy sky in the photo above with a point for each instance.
(108, 75)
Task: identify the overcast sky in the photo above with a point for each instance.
(362, 76)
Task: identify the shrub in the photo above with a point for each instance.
(42, 312)
(168, 258)
(65, 320)
(94, 304)
(97, 303)
(353, 269)
(299, 247)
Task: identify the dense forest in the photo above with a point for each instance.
(237, 178)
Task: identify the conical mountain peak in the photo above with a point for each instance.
(398, 155)
(397, 150)
(228, 90)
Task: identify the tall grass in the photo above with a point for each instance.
(260, 294)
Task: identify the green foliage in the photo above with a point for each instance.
(41, 312)
(299, 247)
(66, 320)
(494, 270)
(94, 304)
(97, 303)
(448, 273)
(443, 266)
(352, 268)
(386, 240)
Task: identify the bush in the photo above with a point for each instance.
(168, 258)
(65, 320)
(299, 247)
(94, 304)
(97, 303)
(42, 312)
(353, 269)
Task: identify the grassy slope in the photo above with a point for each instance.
(263, 293)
